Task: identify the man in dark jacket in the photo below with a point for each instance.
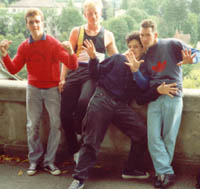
(116, 88)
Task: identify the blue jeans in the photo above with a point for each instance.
(103, 110)
(164, 117)
(35, 98)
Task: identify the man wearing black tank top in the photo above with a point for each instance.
(77, 87)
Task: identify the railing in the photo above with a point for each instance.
(13, 125)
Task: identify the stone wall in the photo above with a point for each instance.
(13, 125)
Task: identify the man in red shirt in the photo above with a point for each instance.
(42, 55)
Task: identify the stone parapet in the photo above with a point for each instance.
(13, 125)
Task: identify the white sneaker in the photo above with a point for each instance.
(76, 184)
(32, 170)
(76, 157)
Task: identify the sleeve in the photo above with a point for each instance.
(94, 68)
(146, 96)
(63, 56)
(15, 65)
(97, 68)
(141, 81)
(196, 59)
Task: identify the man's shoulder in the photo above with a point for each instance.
(108, 33)
(170, 41)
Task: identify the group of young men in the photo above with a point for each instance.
(90, 85)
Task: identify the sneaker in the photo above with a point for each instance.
(76, 157)
(158, 181)
(135, 174)
(32, 170)
(169, 180)
(76, 184)
(51, 168)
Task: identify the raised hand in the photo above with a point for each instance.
(90, 48)
(187, 57)
(133, 63)
(167, 89)
(68, 47)
(4, 45)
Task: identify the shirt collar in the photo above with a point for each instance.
(30, 39)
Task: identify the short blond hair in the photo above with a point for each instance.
(92, 4)
(34, 12)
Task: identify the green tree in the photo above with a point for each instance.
(195, 6)
(69, 18)
(120, 29)
(174, 14)
(137, 14)
(125, 4)
(4, 20)
(18, 25)
(191, 27)
(51, 18)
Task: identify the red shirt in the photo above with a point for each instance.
(42, 59)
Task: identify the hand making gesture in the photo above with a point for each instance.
(4, 45)
(187, 57)
(90, 48)
(133, 63)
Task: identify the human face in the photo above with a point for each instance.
(135, 47)
(147, 37)
(93, 15)
(36, 27)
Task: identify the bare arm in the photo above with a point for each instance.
(110, 43)
(73, 40)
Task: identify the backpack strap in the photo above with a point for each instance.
(80, 40)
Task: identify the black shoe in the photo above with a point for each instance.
(169, 179)
(158, 181)
(135, 174)
(51, 168)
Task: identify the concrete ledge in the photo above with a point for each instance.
(13, 126)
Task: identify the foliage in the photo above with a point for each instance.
(137, 14)
(195, 6)
(193, 80)
(120, 27)
(170, 15)
(69, 18)
(4, 20)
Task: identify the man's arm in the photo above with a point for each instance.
(64, 70)
(110, 43)
(18, 62)
(144, 97)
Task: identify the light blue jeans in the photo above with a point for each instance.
(35, 98)
(163, 120)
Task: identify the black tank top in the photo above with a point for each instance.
(98, 40)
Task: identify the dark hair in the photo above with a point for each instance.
(147, 23)
(133, 36)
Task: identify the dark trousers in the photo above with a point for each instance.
(103, 110)
(74, 100)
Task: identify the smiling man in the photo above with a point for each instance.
(42, 55)
(162, 60)
(79, 86)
